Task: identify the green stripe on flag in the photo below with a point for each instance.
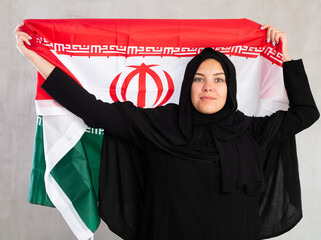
(77, 173)
(76, 178)
(37, 191)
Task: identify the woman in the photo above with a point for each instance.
(199, 169)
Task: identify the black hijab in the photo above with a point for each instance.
(246, 158)
(173, 128)
(186, 110)
(239, 157)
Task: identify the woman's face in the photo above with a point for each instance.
(209, 88)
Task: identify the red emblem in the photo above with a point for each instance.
(142, 71)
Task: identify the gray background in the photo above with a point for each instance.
(301, 20)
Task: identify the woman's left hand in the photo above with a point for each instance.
(274, 36)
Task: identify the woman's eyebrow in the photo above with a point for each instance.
(220, 73)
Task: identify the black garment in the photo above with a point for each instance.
(154, 186)
(240, 164)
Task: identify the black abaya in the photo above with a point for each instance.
(157, 182)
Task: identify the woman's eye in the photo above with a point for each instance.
(219, 80)
(198, 79)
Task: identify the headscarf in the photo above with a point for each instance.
(185, 104)
(171, 128)
(239, 160)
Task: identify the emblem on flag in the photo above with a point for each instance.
(142, 71)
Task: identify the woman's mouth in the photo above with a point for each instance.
(207, 98)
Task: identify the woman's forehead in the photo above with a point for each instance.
(210, 65)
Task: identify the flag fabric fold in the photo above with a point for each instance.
(138, 60)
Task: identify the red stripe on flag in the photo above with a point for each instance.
(150, 32)
(146, 37)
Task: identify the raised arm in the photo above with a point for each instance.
(68, 93)
(42, 65)
(95, 113)
(302, 111)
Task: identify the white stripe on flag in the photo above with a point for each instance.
(58, 140)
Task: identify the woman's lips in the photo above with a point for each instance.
(207, 98)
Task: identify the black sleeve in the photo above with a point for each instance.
(95, 113)
(301, 114)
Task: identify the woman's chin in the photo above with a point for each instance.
(208, 110)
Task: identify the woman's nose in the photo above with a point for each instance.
(207, 87)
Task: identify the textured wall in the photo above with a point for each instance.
(21, 220)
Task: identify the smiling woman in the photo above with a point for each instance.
(209, 89)
(200, 169)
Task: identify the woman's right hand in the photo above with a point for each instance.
(41, 64)
(22, 39)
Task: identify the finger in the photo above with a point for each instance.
(268, 29)
(278, 36)
(269, 32)
(20, 34)
(265, 26)
(25, 34)
(18, 27)
(282, 36)
(273, 33)
(22, 40)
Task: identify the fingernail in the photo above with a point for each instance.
(262, 28)
(267, 40)
(29, 37)
(273, 44)
(29, 43)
